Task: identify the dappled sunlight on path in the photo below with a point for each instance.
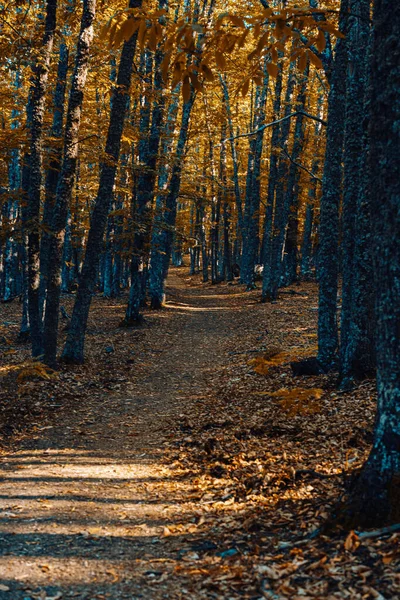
(84, 508)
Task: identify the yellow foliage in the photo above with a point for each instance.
(275, 358)
(28, 370)
(299, 401)
(262, 364)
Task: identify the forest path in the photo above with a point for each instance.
(84, 507)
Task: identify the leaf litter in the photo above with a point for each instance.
(259, 458)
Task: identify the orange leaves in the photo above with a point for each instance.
(272, 69)
(208, 74)
(191, 48)
(126, 31)
(220, 60)
(28, 370)
(330, 28)
(234, 19)
(299, 401)
(186, 90)
(296, 401)
(352, 542)
(263, 362)
(245, 87)
(298, 393)
(314, 59)
(276, 358)
(122, 26)
(321, 41)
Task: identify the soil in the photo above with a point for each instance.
(175, 464)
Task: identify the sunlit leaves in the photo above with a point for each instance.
(186, 90)
(299, 401)
(272, 69)
(194, 48)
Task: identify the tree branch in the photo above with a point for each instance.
(294, 114)
(285, 152)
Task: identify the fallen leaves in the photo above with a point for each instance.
(352, 542)
(253, 458)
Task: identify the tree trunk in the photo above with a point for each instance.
(35, 123)
(238, 196)
(147, 154)
(290, 259)
(52, 175)
(252, 203)
(265, 257)
(215, 221)
(306, 268)
(329, 207)
(271, 275)
(74, 347)
(24, 331)
(156, 281)
(375, 499)
(357, 289)
(66, 182)
(162, 244)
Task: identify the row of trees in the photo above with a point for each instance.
(167, 108)
(262, 136)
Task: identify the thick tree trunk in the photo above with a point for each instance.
(10, 212)
(35, 123)
(66, 268)
(376, 499)
(329, 207)
(74, 347)
(356, 332)
(108, 259)
(66, 182)
(52, 175)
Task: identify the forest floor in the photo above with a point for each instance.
(184, 460)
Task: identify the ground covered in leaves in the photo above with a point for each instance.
(184, 459)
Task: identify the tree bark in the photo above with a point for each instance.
(53, 172)
(329, 207)
(356, 332)
(252, 201)
(66, 182)
(375, 499)
(271, 275)
(74, 347)
(163, 234)
(272, 175)
(35, 123)
(156, 281)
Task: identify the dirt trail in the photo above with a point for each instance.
(83, 508)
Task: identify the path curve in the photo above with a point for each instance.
(85, 509)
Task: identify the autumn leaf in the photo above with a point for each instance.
(272, 69)
(186, 89)
(352, 542)
(314, 59)
(220, 60)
